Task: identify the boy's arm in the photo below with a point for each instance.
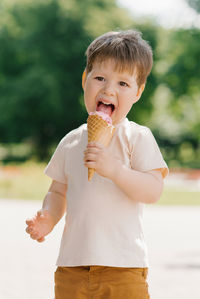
(143, 187)
(55, 200)
(53, 208)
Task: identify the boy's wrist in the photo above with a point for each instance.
(116, 170)
(48, 213)
(54, 205)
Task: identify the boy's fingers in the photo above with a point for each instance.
(91, 144)
(29, 230)
(42, 239)
(29, 221)
(95, 144)
(90, 164)
(91, 151)
(90, 158)
(34, 236)
(40, 214)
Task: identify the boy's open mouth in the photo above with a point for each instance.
(106, 108)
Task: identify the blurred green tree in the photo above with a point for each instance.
(38, 92)
(194, 4)
(41, 63)
(176, 101)
(143, 109)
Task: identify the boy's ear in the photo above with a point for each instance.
(139, 93)
(83, 78)
(140, 90)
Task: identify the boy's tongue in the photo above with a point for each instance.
(107, 109)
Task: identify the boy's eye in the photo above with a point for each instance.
(99, 78)
(122, 83)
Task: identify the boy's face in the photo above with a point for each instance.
(110, 91)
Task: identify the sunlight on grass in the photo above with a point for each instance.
(26, 181)
(178, 197)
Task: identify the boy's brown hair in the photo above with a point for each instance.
(130, 52)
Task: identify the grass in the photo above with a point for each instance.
(179, 197)
(28, 181)
(24, 181)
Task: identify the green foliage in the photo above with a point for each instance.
(176, 105)
(41, 90)
(194, 4)
(42, 50)
(184, 49)
(141, 111)
(41, 64)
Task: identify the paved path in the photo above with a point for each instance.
(172, 233)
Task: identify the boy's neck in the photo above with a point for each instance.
(119, 122)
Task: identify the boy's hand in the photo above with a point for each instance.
(98, 157)
(40, 225)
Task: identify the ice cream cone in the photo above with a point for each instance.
(100, 131)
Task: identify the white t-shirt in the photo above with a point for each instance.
(103, 226)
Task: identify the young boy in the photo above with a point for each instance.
(103, 252)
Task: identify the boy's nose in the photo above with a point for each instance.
(109, 89)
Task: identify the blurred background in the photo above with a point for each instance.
(42, 57)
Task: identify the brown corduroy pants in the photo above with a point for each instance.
(101, 282)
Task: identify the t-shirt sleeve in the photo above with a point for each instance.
(146, 155)
(56, 168)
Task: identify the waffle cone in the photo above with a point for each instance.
(100, 131)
